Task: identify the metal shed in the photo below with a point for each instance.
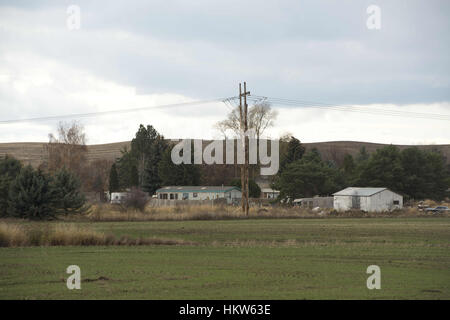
(367, 199)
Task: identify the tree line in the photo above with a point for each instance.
(412, 172)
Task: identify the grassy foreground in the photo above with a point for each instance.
(242, 259)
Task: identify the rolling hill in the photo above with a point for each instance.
(33, 152)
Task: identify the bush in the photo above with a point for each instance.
(9, 169)
(136, 199)
(68, 197)
(31, 195)
(35, 195)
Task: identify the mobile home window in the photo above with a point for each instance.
(396, 202)
(194, 195)
(185, 196)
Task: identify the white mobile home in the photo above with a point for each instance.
(193, 193)
(367, 199)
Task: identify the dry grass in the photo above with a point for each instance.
(197, 212)
(63, 234)
(111, 213)
(12, 235)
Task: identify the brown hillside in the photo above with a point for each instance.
(33, 152)
(336, 150)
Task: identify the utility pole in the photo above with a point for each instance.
(243, 113)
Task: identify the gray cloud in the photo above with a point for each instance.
(311, 50)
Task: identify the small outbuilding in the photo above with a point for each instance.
(269, 193)
(117, 197)
(367, 199)
(321, 202)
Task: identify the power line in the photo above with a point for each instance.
(101, 113)
(231, 102)
(349, 108)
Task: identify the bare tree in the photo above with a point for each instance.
(260, 117)
(68, 149)
(222, 127)
(231, 123)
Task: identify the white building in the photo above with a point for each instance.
(117, 197)
(231, 194)
(269, 193)
(321, 202)
(367, 199)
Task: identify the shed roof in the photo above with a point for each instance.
(358, 191)
(197, 189)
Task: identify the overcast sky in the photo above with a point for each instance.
(130, 54)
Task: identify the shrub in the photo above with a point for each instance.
(9, 169)
(136, 199)
(68, 197)
(31, 195)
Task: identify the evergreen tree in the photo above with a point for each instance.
(349, 170)
(125, 170)
(363, 154)
(152, 179)
(147, 148)
(69, 198)
(9, 169)
(253, 189)
(134, 176)
(436, 176)
(349, 165)
(177, 174)
(113, 179)
(308, 177)
(31, 195)
(294, 152)
(383, 169)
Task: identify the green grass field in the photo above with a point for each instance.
(243, 259)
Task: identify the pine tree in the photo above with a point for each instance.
(9, 169)
(254, 190)
(294, 152)
(113, 179)
(152, 180)
(69, 198)
(177, 174)
(124, 167)
(134, 176)
(31, 195)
